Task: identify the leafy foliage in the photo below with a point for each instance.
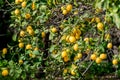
(59, 39)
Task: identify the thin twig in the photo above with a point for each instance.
(8, 3)
(87, 68)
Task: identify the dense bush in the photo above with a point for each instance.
(59, 39)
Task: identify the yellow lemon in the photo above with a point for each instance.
(79, 55)
(23, 4)
(100, 26)
(4, 51)
(22, 33)
(33, 6)
(115, 61)
(21, 45)
(98, 60)
(72, 39)
(64, 54)
(20, 61)
(93, 57)
(66, 59)
(27, 16)
(28, 46)
(17, 11)
(75, 47)
(17, 1)
(36, 48)
(103, 56)
(29, 28)
(73, 72)
(43, 34)
(97, 19)
(31, 32)
(54, 30)
(69, 7)
(109, 45)
(65, 71)
(64, 12)
(5, 72)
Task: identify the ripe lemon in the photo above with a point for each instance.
(79, 55)
(20, 61)
(115, 61)
(73, 72)
(22, 33)
(69, 7)
(5, 72)
(93, 57)
(23, 4)
(33, 6)
(75, 47)
(107, 37)
(64, 54)
(36, 48)
(100, 26)
(43, 34)
(17, 1)
(31, 32)
(21, 45)
(103, 56)
(54, 30)
(4, 51)
(97, 19)
(72, 39)
(28, 46)
(109, 45)
(77, 36)
(17, 11)
(79, 31)
(66, 59)
(64, 12)
(29, 28)
(74, 30)
(27, 16)
(21, 0)
(65, 71)
(98, 60)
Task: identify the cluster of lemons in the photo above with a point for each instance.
(72, 39)
(66, 9)
(22, 33)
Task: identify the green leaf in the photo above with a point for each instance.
(36, 52)
(23, 76)
(14, 37)
(37, 31)
(51, 36)
(52, 48)
(116, 19)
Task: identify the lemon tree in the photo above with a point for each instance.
(59, 39)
